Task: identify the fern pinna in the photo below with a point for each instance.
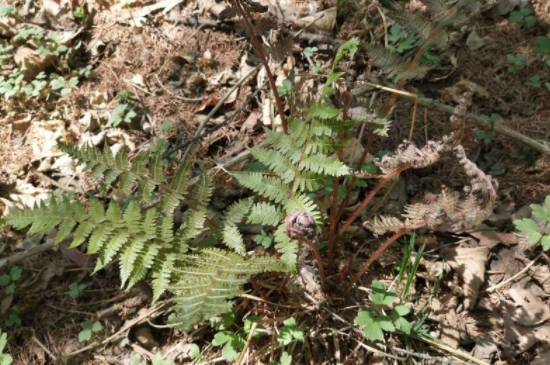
(144, 238)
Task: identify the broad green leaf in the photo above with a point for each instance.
(385, 323)
(539, 212)
(220, 338)
(526, 225)
(403, 325)
(371, 328)
(286, 358)
(402, 310)
(545, 242)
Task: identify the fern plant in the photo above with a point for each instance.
(141, 234)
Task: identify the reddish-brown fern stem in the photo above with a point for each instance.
(333, 220)
(319, 260)
(369, 197)
(260, 50)
(350, 186)
(377, 254)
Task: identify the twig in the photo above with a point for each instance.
(219, 105)
(539, 146)
(516, 276)
(154, 311)
(247, 344)
(9, 261)
(37, 341)
(450, 350)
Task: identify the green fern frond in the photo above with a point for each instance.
(232, 237)
(287, 247)
(277, 162)
(270, 187)
(173, 195)
(208, 280)
(265, 214)
(321, 163)
(393, 65)
(196, 215)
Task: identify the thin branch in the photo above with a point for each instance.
(540, 146)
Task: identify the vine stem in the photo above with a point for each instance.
(369, 197)
(377, 254)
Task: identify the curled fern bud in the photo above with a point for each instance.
(300, 224)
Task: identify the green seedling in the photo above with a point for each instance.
(543, 47)
(264, 239)
(88, 329)
(5, 359)
(58, 83)
(75, 289)
(534, 82)
(285, 89)
(376, 322)
(8, 280)
(537, 233)
(523, 15)
(290, 332)
(398, 39)
(518, 62)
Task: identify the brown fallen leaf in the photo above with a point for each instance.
(530, 310)
(517, 339)
(469, 263)
(490, 238)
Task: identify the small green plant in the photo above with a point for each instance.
(290, 332)
(486, 136)
(376, 321)
(9, 280)
(534, 82)
(285, 89)
(125, 111)
(8, 11)
(399, 40)
(310, 51)
(285, 359)
(75, 289)
(264, 239)
(232, 341)
(88, 329)
(537, 232)
(518, 62)
(65, 87)
(543, 47)
(13, 318)
(80, 12)
(523, 15)
(155, 360)
(5, 359)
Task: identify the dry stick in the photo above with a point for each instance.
(154, 311)
(260, 50)
(247, 344)
(369, 197)
(218, 106)
(516, 276)
(542, 147)
(377, 254)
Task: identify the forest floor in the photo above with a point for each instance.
(149, 75)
